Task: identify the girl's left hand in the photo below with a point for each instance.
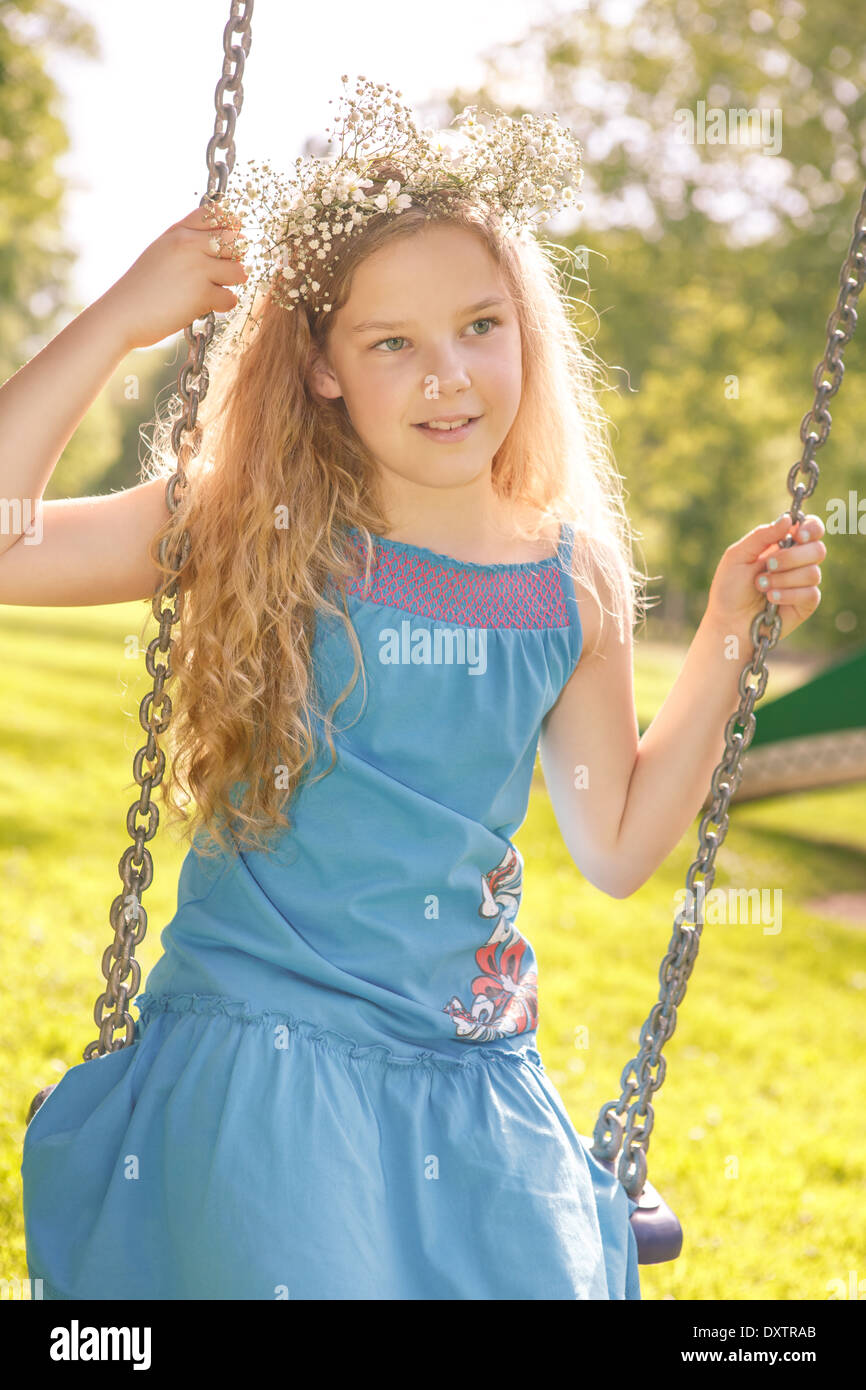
(755, 567)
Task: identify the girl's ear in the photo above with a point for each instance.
(322, 378)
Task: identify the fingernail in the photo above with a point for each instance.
(772, 563)
(804, 535)
(763, 581)
(774, 594)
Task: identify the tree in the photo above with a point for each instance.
(34, 266)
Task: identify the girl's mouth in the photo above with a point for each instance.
(443, 435)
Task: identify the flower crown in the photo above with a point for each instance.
(517, 171)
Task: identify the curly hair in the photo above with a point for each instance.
(275, 474)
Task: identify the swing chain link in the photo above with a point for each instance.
(128, 917)
(611, 1133)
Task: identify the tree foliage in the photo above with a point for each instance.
(34, 264)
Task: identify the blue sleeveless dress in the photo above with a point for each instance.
(334, 1091)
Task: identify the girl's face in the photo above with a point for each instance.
(429, 330)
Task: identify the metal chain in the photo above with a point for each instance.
(128, 917)
(610, 1132)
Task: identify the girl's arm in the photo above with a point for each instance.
(589, 744)
(678, 754)
(88, 550)
(624, 802)
(42, 405)
(174, 281)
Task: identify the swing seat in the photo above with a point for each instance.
(39, 1099)
(657, 1230)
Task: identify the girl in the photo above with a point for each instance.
(399, 501)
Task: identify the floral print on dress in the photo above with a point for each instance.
(506, 1001)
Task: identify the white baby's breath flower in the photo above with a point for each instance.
(514, 169)
(392, 199)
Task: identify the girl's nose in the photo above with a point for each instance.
(445, 371)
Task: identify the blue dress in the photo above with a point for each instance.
(334, 1091)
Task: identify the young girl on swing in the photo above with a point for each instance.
(400, 505)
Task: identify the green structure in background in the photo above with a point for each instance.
(814, 736)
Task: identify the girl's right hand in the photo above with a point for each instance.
(177, 279)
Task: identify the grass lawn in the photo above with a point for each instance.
(758, 1143)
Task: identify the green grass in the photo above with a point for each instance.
(758, 1142)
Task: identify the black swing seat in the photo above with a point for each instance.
(38, 1100)
(657, 1230)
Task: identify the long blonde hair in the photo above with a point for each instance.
(265, 446)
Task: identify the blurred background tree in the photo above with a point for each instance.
(103, 454)
(34, 265)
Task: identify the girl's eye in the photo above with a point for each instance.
(476, 335)
(485, 335)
